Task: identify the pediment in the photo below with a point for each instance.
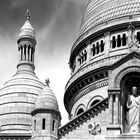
(133, 56)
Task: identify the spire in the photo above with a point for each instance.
(26, 43)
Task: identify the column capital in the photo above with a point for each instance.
(107, 33)
(114, 91)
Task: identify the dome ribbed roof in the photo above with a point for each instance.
(47, 100)
(102, 12)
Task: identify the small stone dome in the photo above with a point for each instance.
(47, 99)
(27, 30)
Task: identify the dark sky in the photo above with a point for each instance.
(57, 24)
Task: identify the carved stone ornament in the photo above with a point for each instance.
(94, 129)
(134, 45)
(132, 40)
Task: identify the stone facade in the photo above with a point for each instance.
(104, 62)
(105, 65)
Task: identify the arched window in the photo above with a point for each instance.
(138, 36)
(94, 102)
(85, 55)
(118, 41)
(93, 50)
(97, 47)
(124, 40)
(102, 46)
(82, 57)
(34, 125)
(79, 60)
(43, 123)
(113, 42)
(80, 111)
(53, 125)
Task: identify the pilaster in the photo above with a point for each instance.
(88, 49)
(114, 127)
(107, 43)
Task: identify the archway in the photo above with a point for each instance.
(127, 82)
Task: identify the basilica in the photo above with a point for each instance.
(102, 96)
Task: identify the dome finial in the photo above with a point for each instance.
(27, 15)
(47, 82)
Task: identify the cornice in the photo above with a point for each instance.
(93, 86)
(82, 82)
(89, 67)
(79, 120)
(45, 110)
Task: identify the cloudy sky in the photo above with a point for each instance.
(57, 24)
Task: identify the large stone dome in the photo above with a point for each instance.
(100, 14)
(17, 99)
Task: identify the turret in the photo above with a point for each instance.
(26, 45)
(46, 116)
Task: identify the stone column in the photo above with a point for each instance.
(23, 50)
(116, 109)
(107, 43)
(30, 54)
(114, 127)
(110, 108)
(88, 49)
(27, 52)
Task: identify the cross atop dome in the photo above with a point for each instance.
(47, 82)
(27, 15)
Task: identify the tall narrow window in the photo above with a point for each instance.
(82, 57)
(113, 42)
(28, 53)
(43, 124)
(102, 46)
(118, 41)
(138, 36)
(93, 50)
(21, 53)
(79, 60)
(97, 46)
(31, 54)
(25, 52)
(85, 55)
(124, 40)
(53, 125)
(34, 125)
